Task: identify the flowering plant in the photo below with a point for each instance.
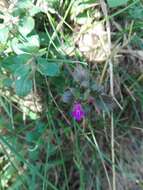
(78, 112)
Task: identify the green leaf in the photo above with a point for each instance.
(115, 3)
(21, 70)
(7, 82)
(34, 10)
(34, 155)
(32, 136)
(40, 127)
(80, 6)
(4, 35)
(30, 45)
(23, 86)
(48, 68)
(136, 12)
(24, 4)
(26, 25)
(17, 64)
(22, 59)
(83, 18)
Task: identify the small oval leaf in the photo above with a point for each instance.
(47, 68)
(23, 86)
(26, 25)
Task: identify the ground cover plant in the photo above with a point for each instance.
(71, 95)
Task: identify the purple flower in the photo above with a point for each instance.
(78, 112)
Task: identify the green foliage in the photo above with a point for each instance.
(136, 12)
(47, 68)
(17, 64)
(43, 74)
(29, 45)
(26, 25)
(18, 67)
(22, 40)
(81, 11)
(23, 85)
(115, 3)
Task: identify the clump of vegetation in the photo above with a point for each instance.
(71, 95)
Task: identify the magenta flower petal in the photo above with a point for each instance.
(78, 112)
